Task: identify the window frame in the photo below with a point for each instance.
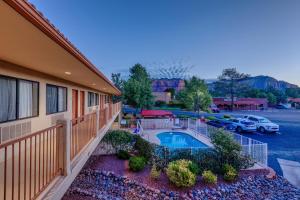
(96, 99)
(17, 98)
(57, 98)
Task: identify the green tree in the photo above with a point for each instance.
(119, 83)
(195, 95)
(229, 83)
(293, 92)
(271, 98)
(137, 90)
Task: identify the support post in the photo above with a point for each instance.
(63, 141)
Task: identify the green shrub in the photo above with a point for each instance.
(209, 177)
(207, 159)
(228, 150)
(137, 163)
(194, 168)
(160, 103)
(119, 139)
(155, 172)
(211, 117)
(179, 173)
(143, 147)
(122, 154)
(227, 116)
(229, 173)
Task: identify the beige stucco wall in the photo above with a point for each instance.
(43, 120)
(162, 96)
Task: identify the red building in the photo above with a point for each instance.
(241, 103)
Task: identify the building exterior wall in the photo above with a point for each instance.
(43, 120)
(241, 103)
(162, 96)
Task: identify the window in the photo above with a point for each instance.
(56, 99)
(97, 99)
(106, 99)
(93, 99)
(253, 119)
(19, 99)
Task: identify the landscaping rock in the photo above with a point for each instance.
(105, 185)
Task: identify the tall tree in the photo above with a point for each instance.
(119, 83)
(195, 95)
(137, 89)
(229, 83)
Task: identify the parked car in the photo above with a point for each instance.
(263, 124)
(281, 106)
(243, 125)
(214, 108)
(218, 123)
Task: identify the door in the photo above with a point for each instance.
(82, 103)
(74, 104)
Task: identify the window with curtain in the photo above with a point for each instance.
(56, 99)
(18, 99)
(93, 99)
(97, 99)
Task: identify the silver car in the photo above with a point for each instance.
(243, 125)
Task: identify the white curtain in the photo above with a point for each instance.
(62, 94)
(25, 99)
(7, 99)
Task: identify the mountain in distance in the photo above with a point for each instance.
(263, 83)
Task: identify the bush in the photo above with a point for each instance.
(209, 177)
(137, 163)
(230, 173)
(227, 116)
(179, 173)
(118, 139)
(194, 168)
(143, 147)
(122, 154)
(160, 103)
(211, 117)
(155, 173)
(229, 151)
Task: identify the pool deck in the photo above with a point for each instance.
(151, 135)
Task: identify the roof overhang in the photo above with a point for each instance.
(30, 40)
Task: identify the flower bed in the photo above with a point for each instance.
(95, 182)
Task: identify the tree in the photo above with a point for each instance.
(229, 83)
(119, 83)
(293, 92)
(195, 95)
(137, 90)
(271, 98)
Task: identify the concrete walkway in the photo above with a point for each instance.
(291, 171)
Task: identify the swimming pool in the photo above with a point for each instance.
(179, 140)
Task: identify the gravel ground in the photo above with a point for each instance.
(95, 182)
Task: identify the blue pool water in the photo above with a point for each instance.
(179, 140)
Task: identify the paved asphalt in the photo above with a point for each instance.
(283, 145)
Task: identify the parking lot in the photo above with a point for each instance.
(283, 145)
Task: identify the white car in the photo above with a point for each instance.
(243, 125)
(263, 124)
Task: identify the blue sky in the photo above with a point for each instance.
(256, 37)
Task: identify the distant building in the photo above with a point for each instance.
(162, 96)
(241, 103)
(160, 87)
(295, 102)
